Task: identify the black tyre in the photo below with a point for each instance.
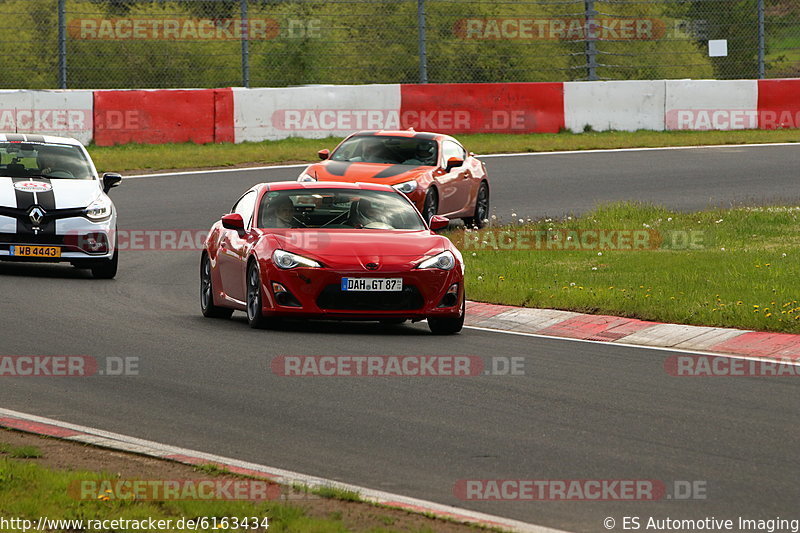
(105, 268)
(431, 205)
(254, 298)
(207, 293)
(448, 326)
(479, 219)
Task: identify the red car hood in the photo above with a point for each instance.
(353, 249)
(366, 172)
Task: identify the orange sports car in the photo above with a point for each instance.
(436, 173)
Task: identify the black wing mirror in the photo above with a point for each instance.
(453, 162)
(110, 180)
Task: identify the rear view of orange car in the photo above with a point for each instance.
(435, 171)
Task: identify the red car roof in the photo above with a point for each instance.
(288, 185)
(400, 133)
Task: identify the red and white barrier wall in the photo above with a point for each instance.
(237, 115)
(318, 111)
(64, 113)
(163, 116)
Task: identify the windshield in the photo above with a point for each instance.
(388, 150)
(48, 160)
(338, 208)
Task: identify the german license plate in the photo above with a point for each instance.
(34, 251)
(372, 284)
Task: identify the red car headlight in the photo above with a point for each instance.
(407, 187)
(287, 260)
(443, 261)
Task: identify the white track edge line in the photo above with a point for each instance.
(288, 477)
(212, 171)
(564, 152)
(639, 346)
(643, 149)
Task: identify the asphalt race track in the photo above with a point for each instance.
(581, 411)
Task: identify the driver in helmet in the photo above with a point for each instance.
(280, 213)
(370, 215)
(423, 154)
(46, 161)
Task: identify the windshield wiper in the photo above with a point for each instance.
(334, 219)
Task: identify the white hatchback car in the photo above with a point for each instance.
(53, 205)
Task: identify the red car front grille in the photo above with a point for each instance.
(334, 298)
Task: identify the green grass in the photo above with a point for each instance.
(784, 49)
(212, 469)
(177, 156)
(29, 490)
(20, 452)
(743, 276)
(337, 494)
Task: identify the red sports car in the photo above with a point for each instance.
(333, 251)
(432, 169)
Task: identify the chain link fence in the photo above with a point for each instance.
(215, 43)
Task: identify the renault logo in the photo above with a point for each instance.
(36, 214)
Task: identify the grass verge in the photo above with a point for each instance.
(725, 267)
(181, 156)
(41, 477)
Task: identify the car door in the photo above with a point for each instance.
(453, 184)
(233, 249)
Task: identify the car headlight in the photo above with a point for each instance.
(442, 261)
(406, 187)
(100, 209)
(287, 260)
(306, 177)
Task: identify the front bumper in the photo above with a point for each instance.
(77, 239)
(316, 293)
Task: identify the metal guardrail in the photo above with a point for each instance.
(215, 43)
